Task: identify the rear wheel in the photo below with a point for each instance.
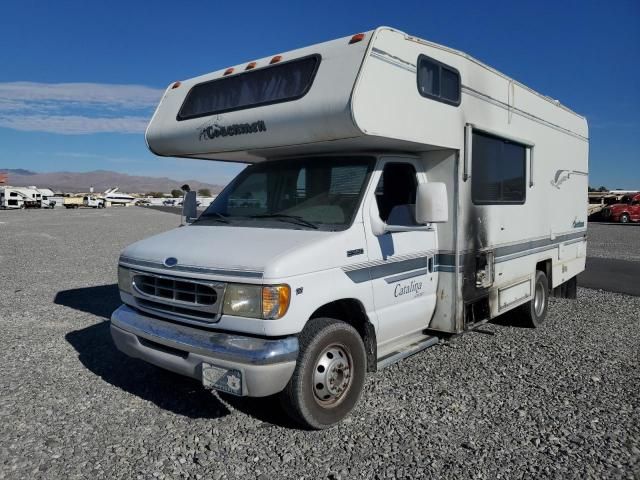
(329, 374)
(534, 312)
(624, 218)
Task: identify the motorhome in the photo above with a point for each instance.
(20, 197)
(396, 192)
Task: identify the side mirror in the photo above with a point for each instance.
(189, 207)
(432, 205)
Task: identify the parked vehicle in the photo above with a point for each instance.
(627, 210)
(142, 202)
(73, 202)
(398, 191)
(19, 197)
(46, 199)
(114, 197)
(170, 202)
(93, 201)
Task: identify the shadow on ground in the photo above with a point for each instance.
(169, 391)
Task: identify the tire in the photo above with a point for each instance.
(624, 218)
(534, 312)
(330, 351)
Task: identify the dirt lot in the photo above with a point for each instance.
(558, 402)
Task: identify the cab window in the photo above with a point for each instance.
(396, 194)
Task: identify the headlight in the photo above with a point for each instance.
(124, 279)
(269, 302)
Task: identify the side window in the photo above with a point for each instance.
(438, 81)
(396, 194)
(498, 174)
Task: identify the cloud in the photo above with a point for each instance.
(76, 108)
(74, 124)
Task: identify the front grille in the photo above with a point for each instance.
(168, 288)
(191, 300)
(185, 312)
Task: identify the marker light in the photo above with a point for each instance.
(176, 85)
(250, 66)
(275, 59)
(228, 71)
(356, 38)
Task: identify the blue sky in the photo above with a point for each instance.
(79, 80)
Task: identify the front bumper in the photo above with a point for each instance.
(265, 365)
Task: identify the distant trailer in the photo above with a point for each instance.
(19, 197)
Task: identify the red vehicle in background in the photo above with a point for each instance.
(627, 210)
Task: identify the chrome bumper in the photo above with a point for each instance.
(266, 365)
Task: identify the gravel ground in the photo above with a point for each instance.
(558, 402)
(609, 240)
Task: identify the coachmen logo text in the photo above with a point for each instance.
(215, 130)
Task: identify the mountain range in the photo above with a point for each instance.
(100, 180)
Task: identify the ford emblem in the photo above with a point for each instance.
(170, 262)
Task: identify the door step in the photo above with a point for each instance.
(407, 351)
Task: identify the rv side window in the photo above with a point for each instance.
(438, 81)
(282, 82)
(498, 174)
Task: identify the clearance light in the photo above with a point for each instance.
(250, 66)
(228, 71)
(176, 85)
(275, 59)
(356, 38)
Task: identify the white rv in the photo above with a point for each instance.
(397, 191)
(20, 197)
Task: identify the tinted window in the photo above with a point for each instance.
(498, 173)
(396, 194)
(278, 83)
(438, 81)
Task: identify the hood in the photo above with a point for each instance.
(249, 252)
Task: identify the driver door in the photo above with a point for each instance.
(402, 263)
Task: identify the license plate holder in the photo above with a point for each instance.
(228, 380)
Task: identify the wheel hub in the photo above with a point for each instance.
(332, 375)
(538, 301)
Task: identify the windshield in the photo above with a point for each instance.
(305, 193)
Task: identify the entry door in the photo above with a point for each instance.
(402, 263)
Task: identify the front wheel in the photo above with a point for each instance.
(329, 374)
(624, 218)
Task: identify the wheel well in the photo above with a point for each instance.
(546, 267)
(351, 311)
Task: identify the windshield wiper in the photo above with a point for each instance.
(218, 216)
(284, 217)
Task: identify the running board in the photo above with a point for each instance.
(407, 351)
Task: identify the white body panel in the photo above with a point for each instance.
(364, 99)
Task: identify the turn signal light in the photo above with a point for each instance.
(275, 59)
(251, 65)
(275, 301)
(356, 38)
